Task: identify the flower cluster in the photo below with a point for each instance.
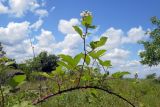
(86, 13)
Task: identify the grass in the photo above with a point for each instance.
(143, 93)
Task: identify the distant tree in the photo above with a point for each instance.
(151, 54)
(44, 62)
(2, 53)
(151, 76)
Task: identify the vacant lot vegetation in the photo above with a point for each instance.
(143, 93)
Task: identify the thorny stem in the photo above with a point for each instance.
(82, 87)
(85, 54)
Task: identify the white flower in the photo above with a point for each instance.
(85, 13)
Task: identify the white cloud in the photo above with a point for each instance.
(119, 57)
(3, 9)
(117, 37)
(15, 38)
(118, 54)
(134, 35)
(41, 12)
(19, 8)
(14, 33)
(70, 45)
(22, 50)
(37, 25)
(114, 38)
(66, 27)
(45, 39)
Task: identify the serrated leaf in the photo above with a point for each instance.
(68, 59)
(96, 55)
(93, 54)
(106, 63)
(77, 58)
(78, 30)
(100, 53)
(101, 42)
(61, 63)
(59, 71)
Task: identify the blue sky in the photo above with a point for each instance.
(48, 22)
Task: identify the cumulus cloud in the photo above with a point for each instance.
(70, 44)
(16, 41)
(3, 9)
(37, 25)
(14, 33)
(114, 38)
(19, 8)
(41, 13)
(118, 54)
(134, 35)
(20, 52)
(45, 39)
(66, 27)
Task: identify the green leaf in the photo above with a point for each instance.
(94, 94)
(16, 80)
(106, 63)
(100, 53)
(120, 74)
(77, 58)
(101, 42)
(93, 54)
(68, 59)
(86, 77)
(92, 45)
(87, 21)
(59, 71)
(61, 63)
(96, 55)
(44, 74)
(78, 30)
(87, 59)
(93, 27)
